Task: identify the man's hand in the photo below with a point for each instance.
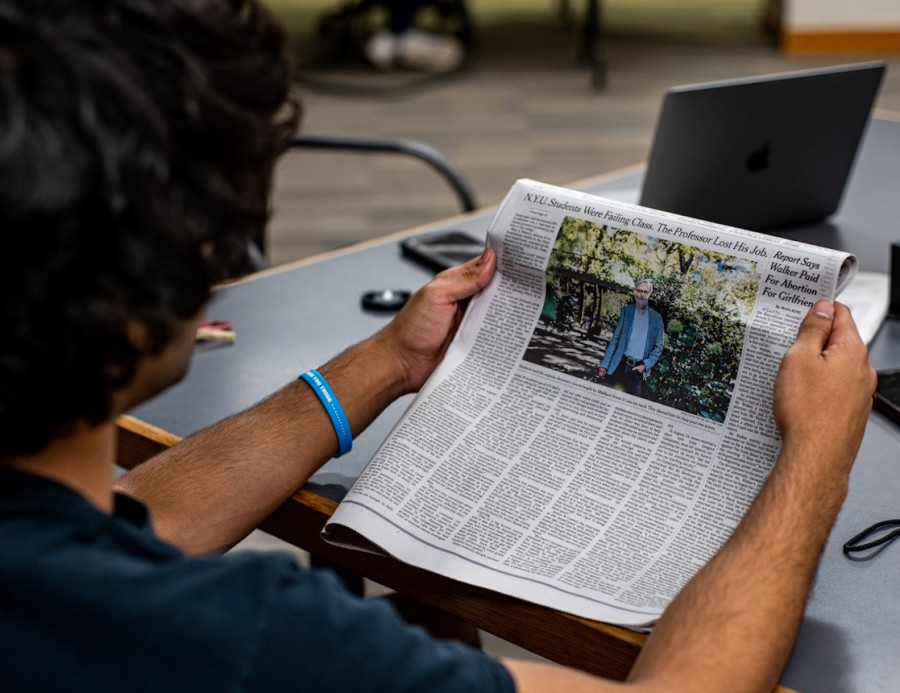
(824, 388)
(420, 334)
(601, 372)
(732, 626)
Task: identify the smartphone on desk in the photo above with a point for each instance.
(442, 249)
(887, 393)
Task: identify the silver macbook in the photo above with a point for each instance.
(761, 152)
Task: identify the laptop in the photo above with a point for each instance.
(760, 152)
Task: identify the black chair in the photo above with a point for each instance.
(414, 148)
(592, 46)
(375, 145)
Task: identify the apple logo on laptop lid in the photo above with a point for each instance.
(758, 159)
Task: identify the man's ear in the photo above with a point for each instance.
(136, 332)
(157, 370)
(124, 398)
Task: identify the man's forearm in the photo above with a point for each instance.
(209, 491)
(732, 627)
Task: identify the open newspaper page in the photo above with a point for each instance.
(603, 418)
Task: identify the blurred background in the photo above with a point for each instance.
(523, 105)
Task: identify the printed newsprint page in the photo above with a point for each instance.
(603, 418)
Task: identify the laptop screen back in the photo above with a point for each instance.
(760, 152)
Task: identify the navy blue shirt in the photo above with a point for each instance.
(96, 602)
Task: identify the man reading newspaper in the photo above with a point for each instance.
(139, 138)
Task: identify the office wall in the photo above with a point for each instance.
(840, 26)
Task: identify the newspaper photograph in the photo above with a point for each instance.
(603, 417)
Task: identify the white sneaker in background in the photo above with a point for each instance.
(382, 49)
(417, 50)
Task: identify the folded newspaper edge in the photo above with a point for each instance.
(513, 473)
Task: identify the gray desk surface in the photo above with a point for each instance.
(295, 318)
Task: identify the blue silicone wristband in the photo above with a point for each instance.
(332, 407)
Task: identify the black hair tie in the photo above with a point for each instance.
(863, 541)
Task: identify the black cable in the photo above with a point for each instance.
(858, 543)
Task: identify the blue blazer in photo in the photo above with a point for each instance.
(615, 350)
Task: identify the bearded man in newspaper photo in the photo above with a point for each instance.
(636, 344)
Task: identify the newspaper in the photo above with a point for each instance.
(518, 468)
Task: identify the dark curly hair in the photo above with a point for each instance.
(137, 144)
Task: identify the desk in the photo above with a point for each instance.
(293, 318)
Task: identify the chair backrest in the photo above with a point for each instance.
(425, 153)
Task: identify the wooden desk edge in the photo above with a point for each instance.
(599, 648)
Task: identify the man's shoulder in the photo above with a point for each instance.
(212, 621)
(129, 588)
